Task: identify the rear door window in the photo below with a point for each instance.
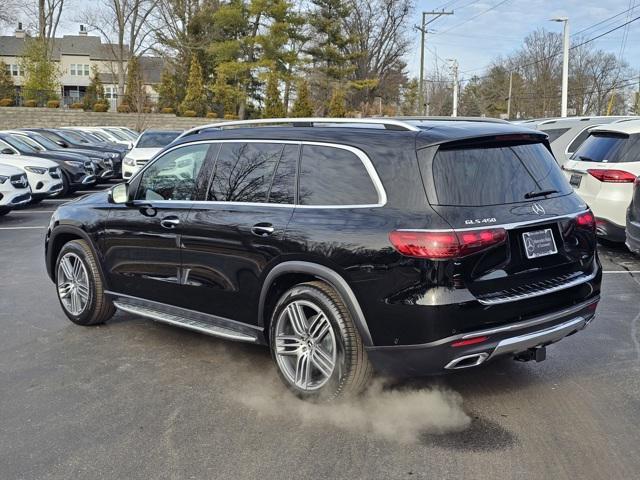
(244, 171)
(334, 176)
(609, 148)
(283, 186)
(494, 175)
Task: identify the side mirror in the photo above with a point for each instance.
(119, 194)
(7, 151)
(61, 143)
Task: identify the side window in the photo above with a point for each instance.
(579, 140)
(283, 187)
(243, 172)
(334, 176)
(173, 176)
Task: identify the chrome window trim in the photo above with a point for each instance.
(366, 161)
(506, 226)
(589, 127)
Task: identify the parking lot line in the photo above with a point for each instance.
(20, 228)
(58, 200)
(621, 271)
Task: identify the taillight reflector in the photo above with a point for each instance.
(445, 244)
(611, 176)
(586, 220)
(469, 341)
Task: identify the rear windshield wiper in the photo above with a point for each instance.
(585, 158)
(541, 193)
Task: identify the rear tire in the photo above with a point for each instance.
(79, 285)
(315, 345)
(65, 186)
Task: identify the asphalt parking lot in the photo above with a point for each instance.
(136, 399)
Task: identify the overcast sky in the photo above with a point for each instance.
(475, 42)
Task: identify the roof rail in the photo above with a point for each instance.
(388, 123)
(450, 119)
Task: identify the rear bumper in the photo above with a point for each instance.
(510, 339)
(610, 230)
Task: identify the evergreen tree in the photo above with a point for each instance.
(337, 104)
(7, 88)
(95, 91)
(135, 96)
(195, 97)
(302, 106)
(411, 98)
(273, 103)
(170, 92)
(41, 82)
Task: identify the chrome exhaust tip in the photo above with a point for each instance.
(467, 361)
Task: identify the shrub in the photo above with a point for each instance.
(147, 110)
(124, 108)
(230, 116)
(76, 106)
(100, 107)
(189, 113)
(6, 102)
(30, 103)
(53, 104)
(166, 110)
(212, 115)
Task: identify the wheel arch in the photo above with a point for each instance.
(61, 235)
(299, 272)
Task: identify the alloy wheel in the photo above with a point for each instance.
(73, 284)
(306, 348)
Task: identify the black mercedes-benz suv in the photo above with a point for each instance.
(406, 246)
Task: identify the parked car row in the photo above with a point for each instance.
(59, 161)
(600, 157)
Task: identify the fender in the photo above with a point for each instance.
(61, 229)
(329, 276)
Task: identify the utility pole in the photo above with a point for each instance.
(509, 97)
(454, 68)
(565, 64)
(423, 32)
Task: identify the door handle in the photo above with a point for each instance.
(170, 222)
(262, 229)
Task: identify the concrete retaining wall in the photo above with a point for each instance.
(16, 117)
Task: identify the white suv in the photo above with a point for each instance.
(602, 172)
(147, 145)
(43, 175)
(14, 188)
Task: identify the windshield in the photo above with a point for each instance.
(44, 141)
(156, 139)
(18, 144)
(609, 148)
(98, 136)
(119, 135)
(496, 174)
(71, 136)
(32, 143)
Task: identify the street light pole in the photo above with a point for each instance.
(454, 68)
(565, 64)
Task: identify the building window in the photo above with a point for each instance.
(15, 70)
(78, 69)
(72, 69)
(86, 70)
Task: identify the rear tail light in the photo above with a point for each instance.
(612, 176)
(448, 244)
(586, 220)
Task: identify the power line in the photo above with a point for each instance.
(474, 17)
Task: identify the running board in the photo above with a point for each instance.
(183, 319)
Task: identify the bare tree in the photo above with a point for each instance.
(126, 25)
(9, 12)
(381, 41)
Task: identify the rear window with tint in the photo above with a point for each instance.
(495, 175)
(555, 133)
(579, 140)
(156, 139)
(609, 148)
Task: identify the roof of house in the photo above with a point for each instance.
(87, 45)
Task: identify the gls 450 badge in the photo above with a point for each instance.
(480, 221)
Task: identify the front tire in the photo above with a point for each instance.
(79, 285)
(315, 345)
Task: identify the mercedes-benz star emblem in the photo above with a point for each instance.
(538, 209)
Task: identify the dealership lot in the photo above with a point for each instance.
(137, 399)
